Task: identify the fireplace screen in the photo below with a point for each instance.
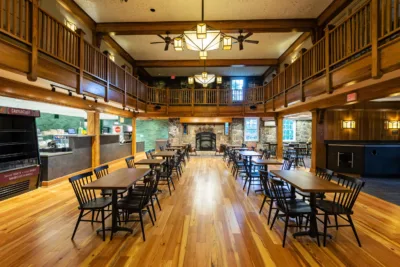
(345, 159)
(205, 141)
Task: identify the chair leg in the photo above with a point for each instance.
(325, 227)
(273, 221)
(245, 182)
(158, 202)
(169, 188)
(337, 226)
(152, 207)
(77, 224)
(285, 231)
(151, 216)
(262, 205)
(172, 181)
(271, 202)
(248, 189)
(93, 216)
(141, 225)
(354, 229)
(102, 225)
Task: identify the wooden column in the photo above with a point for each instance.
(134, 136)
(93, 128)
(375, 71)
(33, 63)
(318, 150)
(81, 60)
(279, 137)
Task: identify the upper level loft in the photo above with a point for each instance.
(361, 53)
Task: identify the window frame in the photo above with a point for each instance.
(293, 130)
(257, 130)
(242, 90)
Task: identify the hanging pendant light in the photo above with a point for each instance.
(203, 55)
(205, 84)
(201, 31)
(178, 44)
(227, 43)
(204, 75)
(219, 79)
(190, 80)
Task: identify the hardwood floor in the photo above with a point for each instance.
(208, 221)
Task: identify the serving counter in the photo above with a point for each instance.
(111, 149)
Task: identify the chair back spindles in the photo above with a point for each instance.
(278, 187)
(83, 195)
(101, 171)
(347, 200)
(130, 162)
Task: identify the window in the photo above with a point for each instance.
(237, 89)
(289, 130)
(251, 129)
(226, 132)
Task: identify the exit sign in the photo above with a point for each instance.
(351, 97)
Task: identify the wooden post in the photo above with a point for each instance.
(328, 82)
(81, 60)
(284, 86)
(302, 95)
(375, 70)
(318, 150)
(134, 136)
(279, 137)
(93, 128)
(33, 63)
(167, 89)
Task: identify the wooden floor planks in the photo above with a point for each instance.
(208, 221)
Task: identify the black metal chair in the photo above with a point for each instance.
(88, 201)
(138, 204)
(342, 204)
(166, 175)
(269, 193)
(130, 162)
(290, 208)
(101, 172)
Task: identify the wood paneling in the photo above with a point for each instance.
(369, 125)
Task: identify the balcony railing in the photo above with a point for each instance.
(365, 30)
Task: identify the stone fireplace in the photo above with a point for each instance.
(205, 141)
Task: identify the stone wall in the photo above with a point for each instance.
(267, 134)
(303, 131)
(176, 135)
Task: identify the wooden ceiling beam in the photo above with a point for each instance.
(209, 63)
(332, 11)
(78, 12)
(371, 105)
(269, 71)
(125, 55)
(227, 26)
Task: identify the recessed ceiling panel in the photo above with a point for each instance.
(190, 10)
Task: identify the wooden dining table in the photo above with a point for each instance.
(151, 162)
(118, 180)
(165, 155)
(310, 183)
(266, 162)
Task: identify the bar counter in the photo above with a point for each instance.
(111, 149)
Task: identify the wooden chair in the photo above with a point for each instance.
(342, 204)
(88, 201)
(166, 175)
(268, 193)
(220, 150)
(130, 162)
(290, 208)
(139, 204)
(323, 174)
(251, 176)
(162, 148)
(103, 171)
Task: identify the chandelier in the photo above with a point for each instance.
(202, 38)
(204, 78)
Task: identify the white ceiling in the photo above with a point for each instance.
(223, 71)
(395, 98)
(271, 45)
(190, 10)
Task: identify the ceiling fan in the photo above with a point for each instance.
(167, 41)
(240, 39)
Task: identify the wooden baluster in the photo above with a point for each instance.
(21, 6)
(192, 100)
(137, 96)
(375, 71)
(60, 50)
(284, 86)
(273, 85)
(1, 14)
(33, 63)
(168, 99)
(388, 15)
(27, 3)
(328, 81)
(8, 15)
(302, 95)
(396, 14)
(81, 56)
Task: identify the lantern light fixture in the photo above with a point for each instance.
(227, 43)
(392, 124)
(219, 79)
(203, 55)
(190, 80)
(178, 44)
(201, 31)
(204, 75)
(348, 124)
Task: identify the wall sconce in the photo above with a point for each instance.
(348, 124)
(190, 80)
(219, 79)
(392, 124)
(70, 25)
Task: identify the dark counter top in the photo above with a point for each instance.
(362, 142)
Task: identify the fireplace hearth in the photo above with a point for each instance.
(205, 141)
